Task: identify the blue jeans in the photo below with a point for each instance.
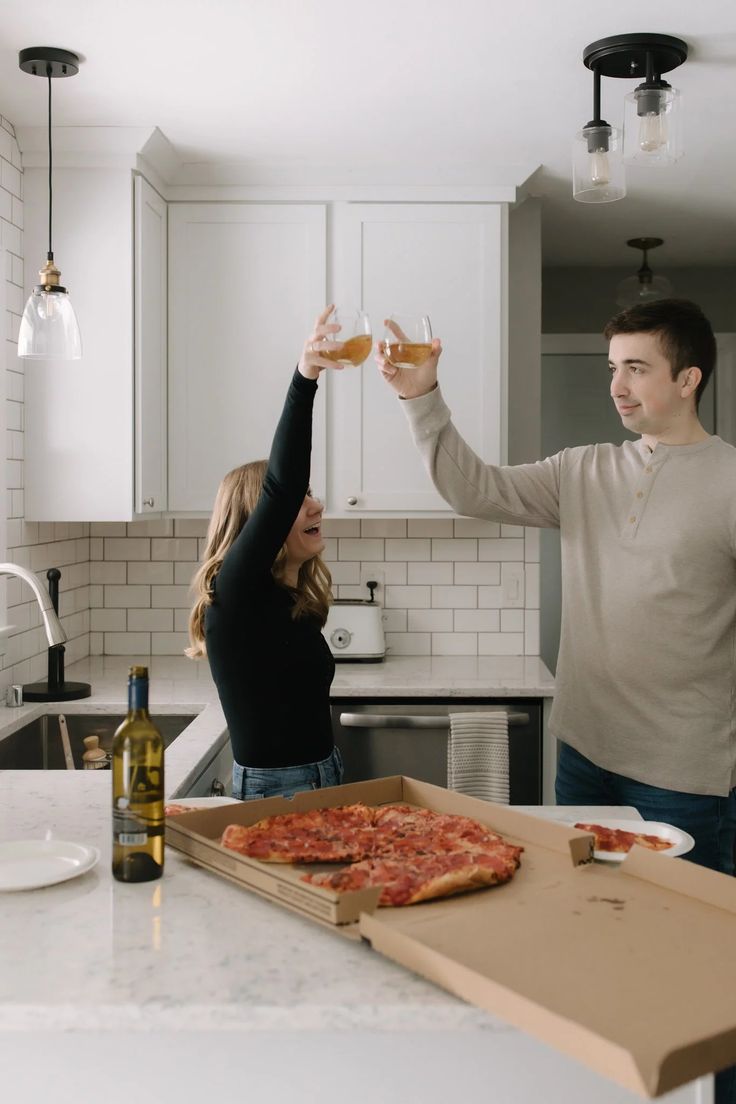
(250, 783)
(711, 821)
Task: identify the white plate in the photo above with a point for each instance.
(30, 864)
(681, 841)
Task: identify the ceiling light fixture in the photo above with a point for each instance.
(644, 287)
(49, 327)
(652, 127)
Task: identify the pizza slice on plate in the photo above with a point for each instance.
(617, 839)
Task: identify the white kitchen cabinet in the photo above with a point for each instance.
(246, 282)
(94, 430)
(447, 260)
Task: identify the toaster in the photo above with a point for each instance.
(354, 630)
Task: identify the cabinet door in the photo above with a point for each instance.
(150, 349)
(445, 260)
(245, 283)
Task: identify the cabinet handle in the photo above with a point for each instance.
(352, 501)
(148, 502)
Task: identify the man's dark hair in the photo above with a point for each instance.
(685, 334)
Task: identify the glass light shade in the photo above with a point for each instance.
(597, 165)
(652, 126)
(49, 329)
(634, 290)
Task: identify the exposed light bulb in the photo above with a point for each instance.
(47, 306)
(652, 131)
(600, 172)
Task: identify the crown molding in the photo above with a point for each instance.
(148, 150)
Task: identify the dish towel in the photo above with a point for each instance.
(478, 755)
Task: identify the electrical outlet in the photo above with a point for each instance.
(512, 585)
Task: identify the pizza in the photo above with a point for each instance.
(617, 839)
(175, 809)
(341, 834)
(409, 879)
(414, 854)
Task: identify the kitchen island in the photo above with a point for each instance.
(180, 989)
(193, 986)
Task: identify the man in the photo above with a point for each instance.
(644, 707)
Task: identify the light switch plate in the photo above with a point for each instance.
(512, 585)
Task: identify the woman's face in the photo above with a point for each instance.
(305, 538)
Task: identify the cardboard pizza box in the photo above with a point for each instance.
(629, 968)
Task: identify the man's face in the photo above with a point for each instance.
(647, 398)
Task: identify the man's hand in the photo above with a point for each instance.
(409, 383)
(312, 360)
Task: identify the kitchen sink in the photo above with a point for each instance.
(37, 745)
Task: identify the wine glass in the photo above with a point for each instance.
(407, 340)
(355, 336)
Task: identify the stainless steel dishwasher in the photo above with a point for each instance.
(381, 737)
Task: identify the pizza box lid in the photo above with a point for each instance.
(629, 968)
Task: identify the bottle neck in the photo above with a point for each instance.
(138, 696)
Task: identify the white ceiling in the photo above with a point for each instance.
(404, 91)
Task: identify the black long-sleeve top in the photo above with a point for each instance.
(273, 673)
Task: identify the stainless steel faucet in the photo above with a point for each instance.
(54, 632)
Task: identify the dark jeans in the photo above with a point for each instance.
(711, 821)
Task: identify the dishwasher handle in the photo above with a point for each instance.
(393, 720)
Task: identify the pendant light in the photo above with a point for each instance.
(652, 113)
(644, 287)
(49, 327)
(597, 165)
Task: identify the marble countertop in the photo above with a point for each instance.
(92, 952)
(192, 951)
(445, 676)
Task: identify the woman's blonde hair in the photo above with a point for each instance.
(236, 499)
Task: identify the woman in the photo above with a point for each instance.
(262, 594)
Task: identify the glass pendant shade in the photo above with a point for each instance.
(642, 288)
(49, 327)
(597, 165)
(652, 126)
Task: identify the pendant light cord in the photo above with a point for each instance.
(50, 253)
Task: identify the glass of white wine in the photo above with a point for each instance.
(407, 340)
(354, 336)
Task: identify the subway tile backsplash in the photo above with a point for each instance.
(448, 587)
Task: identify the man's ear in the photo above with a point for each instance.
(690, 378)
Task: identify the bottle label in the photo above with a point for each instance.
(131, 827)
(137, 694)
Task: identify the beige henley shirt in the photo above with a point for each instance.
(645, 673)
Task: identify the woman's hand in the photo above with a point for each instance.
(312, 360)
(409, 383)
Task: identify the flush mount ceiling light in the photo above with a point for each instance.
(49, 327)
(644, 287)
(652, 127)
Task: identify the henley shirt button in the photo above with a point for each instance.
(639, 494)
(632, 520)
(648, 470)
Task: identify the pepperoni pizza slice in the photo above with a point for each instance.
(617, 839)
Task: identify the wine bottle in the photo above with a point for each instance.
(137, 789)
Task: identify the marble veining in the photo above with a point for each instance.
(192, 951)
(195, 951)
